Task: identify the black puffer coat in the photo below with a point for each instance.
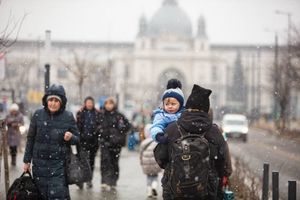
(46, 148)
(113, 129)
(88, 122)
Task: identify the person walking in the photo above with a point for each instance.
(148, 163)
(193, 137)
(13, 121)
(51, 130)
(113, 131)
(88, 120)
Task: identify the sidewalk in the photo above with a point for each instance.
(131, 185)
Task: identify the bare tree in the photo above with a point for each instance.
(286, 77)
(10, 32)
(81, 67)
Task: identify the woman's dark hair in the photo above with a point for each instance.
(89, 98)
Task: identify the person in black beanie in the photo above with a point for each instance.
(194, 120)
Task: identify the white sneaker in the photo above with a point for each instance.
(105, 187)
(154, 186)
(149, 191)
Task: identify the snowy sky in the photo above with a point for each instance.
(228, 21)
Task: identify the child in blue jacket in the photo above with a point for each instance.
(172, 100)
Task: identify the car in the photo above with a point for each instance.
(235, 126)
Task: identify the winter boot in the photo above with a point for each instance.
(13, 160)
(89, 184)
(80, 185)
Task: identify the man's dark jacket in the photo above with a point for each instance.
(194, 123)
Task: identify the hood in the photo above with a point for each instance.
(56, 90)
(195, 122)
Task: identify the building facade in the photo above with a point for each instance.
(137, 72)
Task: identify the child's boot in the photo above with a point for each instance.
(154, 188)
(149, 191)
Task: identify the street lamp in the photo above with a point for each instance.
(47, 65)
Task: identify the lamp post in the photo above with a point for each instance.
(47, 54)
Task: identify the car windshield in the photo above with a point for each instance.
(235, 122)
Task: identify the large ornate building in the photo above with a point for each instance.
(166, 46)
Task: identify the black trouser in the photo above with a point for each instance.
(91, 149)
(13, 150)
(110, 165)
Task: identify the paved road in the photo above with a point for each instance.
(131, 186)
(283, 156)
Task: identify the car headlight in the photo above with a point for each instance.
(22, 129)
(245, 130)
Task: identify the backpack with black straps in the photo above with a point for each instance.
(190, 166)
(24, 188)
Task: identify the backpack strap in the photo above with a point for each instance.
(186, 152)
(181, 131)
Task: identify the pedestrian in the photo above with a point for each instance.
(51, 130)
(172, 106)
(148, 163)
(13, 121)
(88, 119)
(192, 139)
(113, 131)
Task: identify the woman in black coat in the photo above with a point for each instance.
(51, 129)
(88, 119)
(112, 137)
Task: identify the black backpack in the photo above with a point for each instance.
(190, 166)
(24, 188)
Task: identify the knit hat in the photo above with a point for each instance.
(174, 93)
(54, 96)
(14, 107)
(199, 99)
(174, 83)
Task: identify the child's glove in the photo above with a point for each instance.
(225, 181)
(160, 137)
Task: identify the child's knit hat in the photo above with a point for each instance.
(174, 93)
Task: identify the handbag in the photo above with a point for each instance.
(78, 169)
(117, 138)
(24, 188)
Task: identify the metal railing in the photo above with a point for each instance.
(292, 185)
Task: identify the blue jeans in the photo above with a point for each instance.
(151, 179)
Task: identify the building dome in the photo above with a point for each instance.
(170, 20)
